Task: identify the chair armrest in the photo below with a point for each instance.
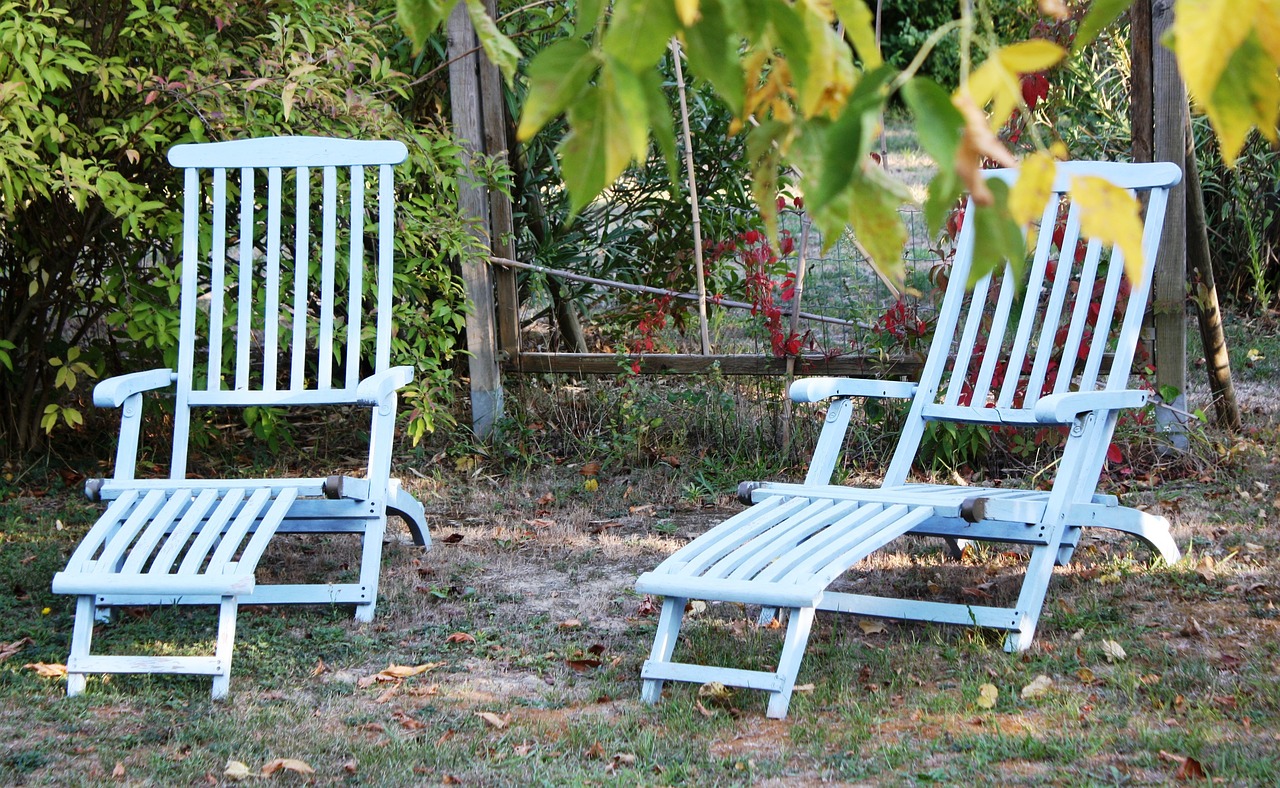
(375, 388)
(818, 389)
(112, 392)
(1064, 408)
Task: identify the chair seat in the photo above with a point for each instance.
(782, 552)
(177, 541)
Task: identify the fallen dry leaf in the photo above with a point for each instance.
(118, 772)
(48, 670)
(802, 688)
(236, 771)
(583, 665)
(319, 669)
(590, 469)
(870, 627)
(646, 607)
(1113, 651)
(1086, 676)
(289, 765)
(570, 623)
(460, 637)
(492, 720)
(387, 694)
(452, 538)
(1188, 768)
(1191, 629)
(350, 766)
(987, 695)
(1206, 568)
(1038, 687)
(449, 779)
(407, 722)
(595, 752)
(703, 710)
(9, 649)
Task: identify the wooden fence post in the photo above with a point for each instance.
(468, 124)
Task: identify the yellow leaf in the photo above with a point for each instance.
(859, 28)
(289, 765)
(1030, 193)
(998, 80)
(1111, 214)
(1038, 687)
(1028, 57)
(1267, 25)
(714, 690)
(1247, 96)
(1206, 33)
(688, 12)
(286, 98)
(987, 695)
(236, 771)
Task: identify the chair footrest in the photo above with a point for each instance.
(148, 584)
(195, 666)
(701, 674)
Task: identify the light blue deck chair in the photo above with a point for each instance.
(1055, 348)
(285, 301)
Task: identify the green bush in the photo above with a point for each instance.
(92, 95)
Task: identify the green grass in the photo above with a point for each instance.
(542, 580)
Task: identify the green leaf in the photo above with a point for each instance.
(712, 47)
(557, 76)
(997, 238)
(849, 139)
(421, 18)
(1101, 14)
(939, 125)
(1246, 96)
(877, 224)
(660, 122)
(501, 51)
(608, 127)
(944, 190)
(859, 28)
(588, 17)
(764, 143)
(639, 31)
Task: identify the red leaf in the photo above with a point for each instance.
(1114, 454)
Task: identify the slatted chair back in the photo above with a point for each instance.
(286, 273)
(1067, 320)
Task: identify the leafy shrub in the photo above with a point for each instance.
(92, 95)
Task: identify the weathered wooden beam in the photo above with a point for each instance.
(493, 111)
(468, 125)
(690, 364)
(1169, 290)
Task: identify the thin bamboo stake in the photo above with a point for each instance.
(693, 202)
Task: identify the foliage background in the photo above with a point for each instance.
(92, 95)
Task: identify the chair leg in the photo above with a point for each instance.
(1035, 584)
(226, 641)
(81, 639)
(403, 505)
(664, 644)
(1070, 539)
(371, 567)
(793, 645)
